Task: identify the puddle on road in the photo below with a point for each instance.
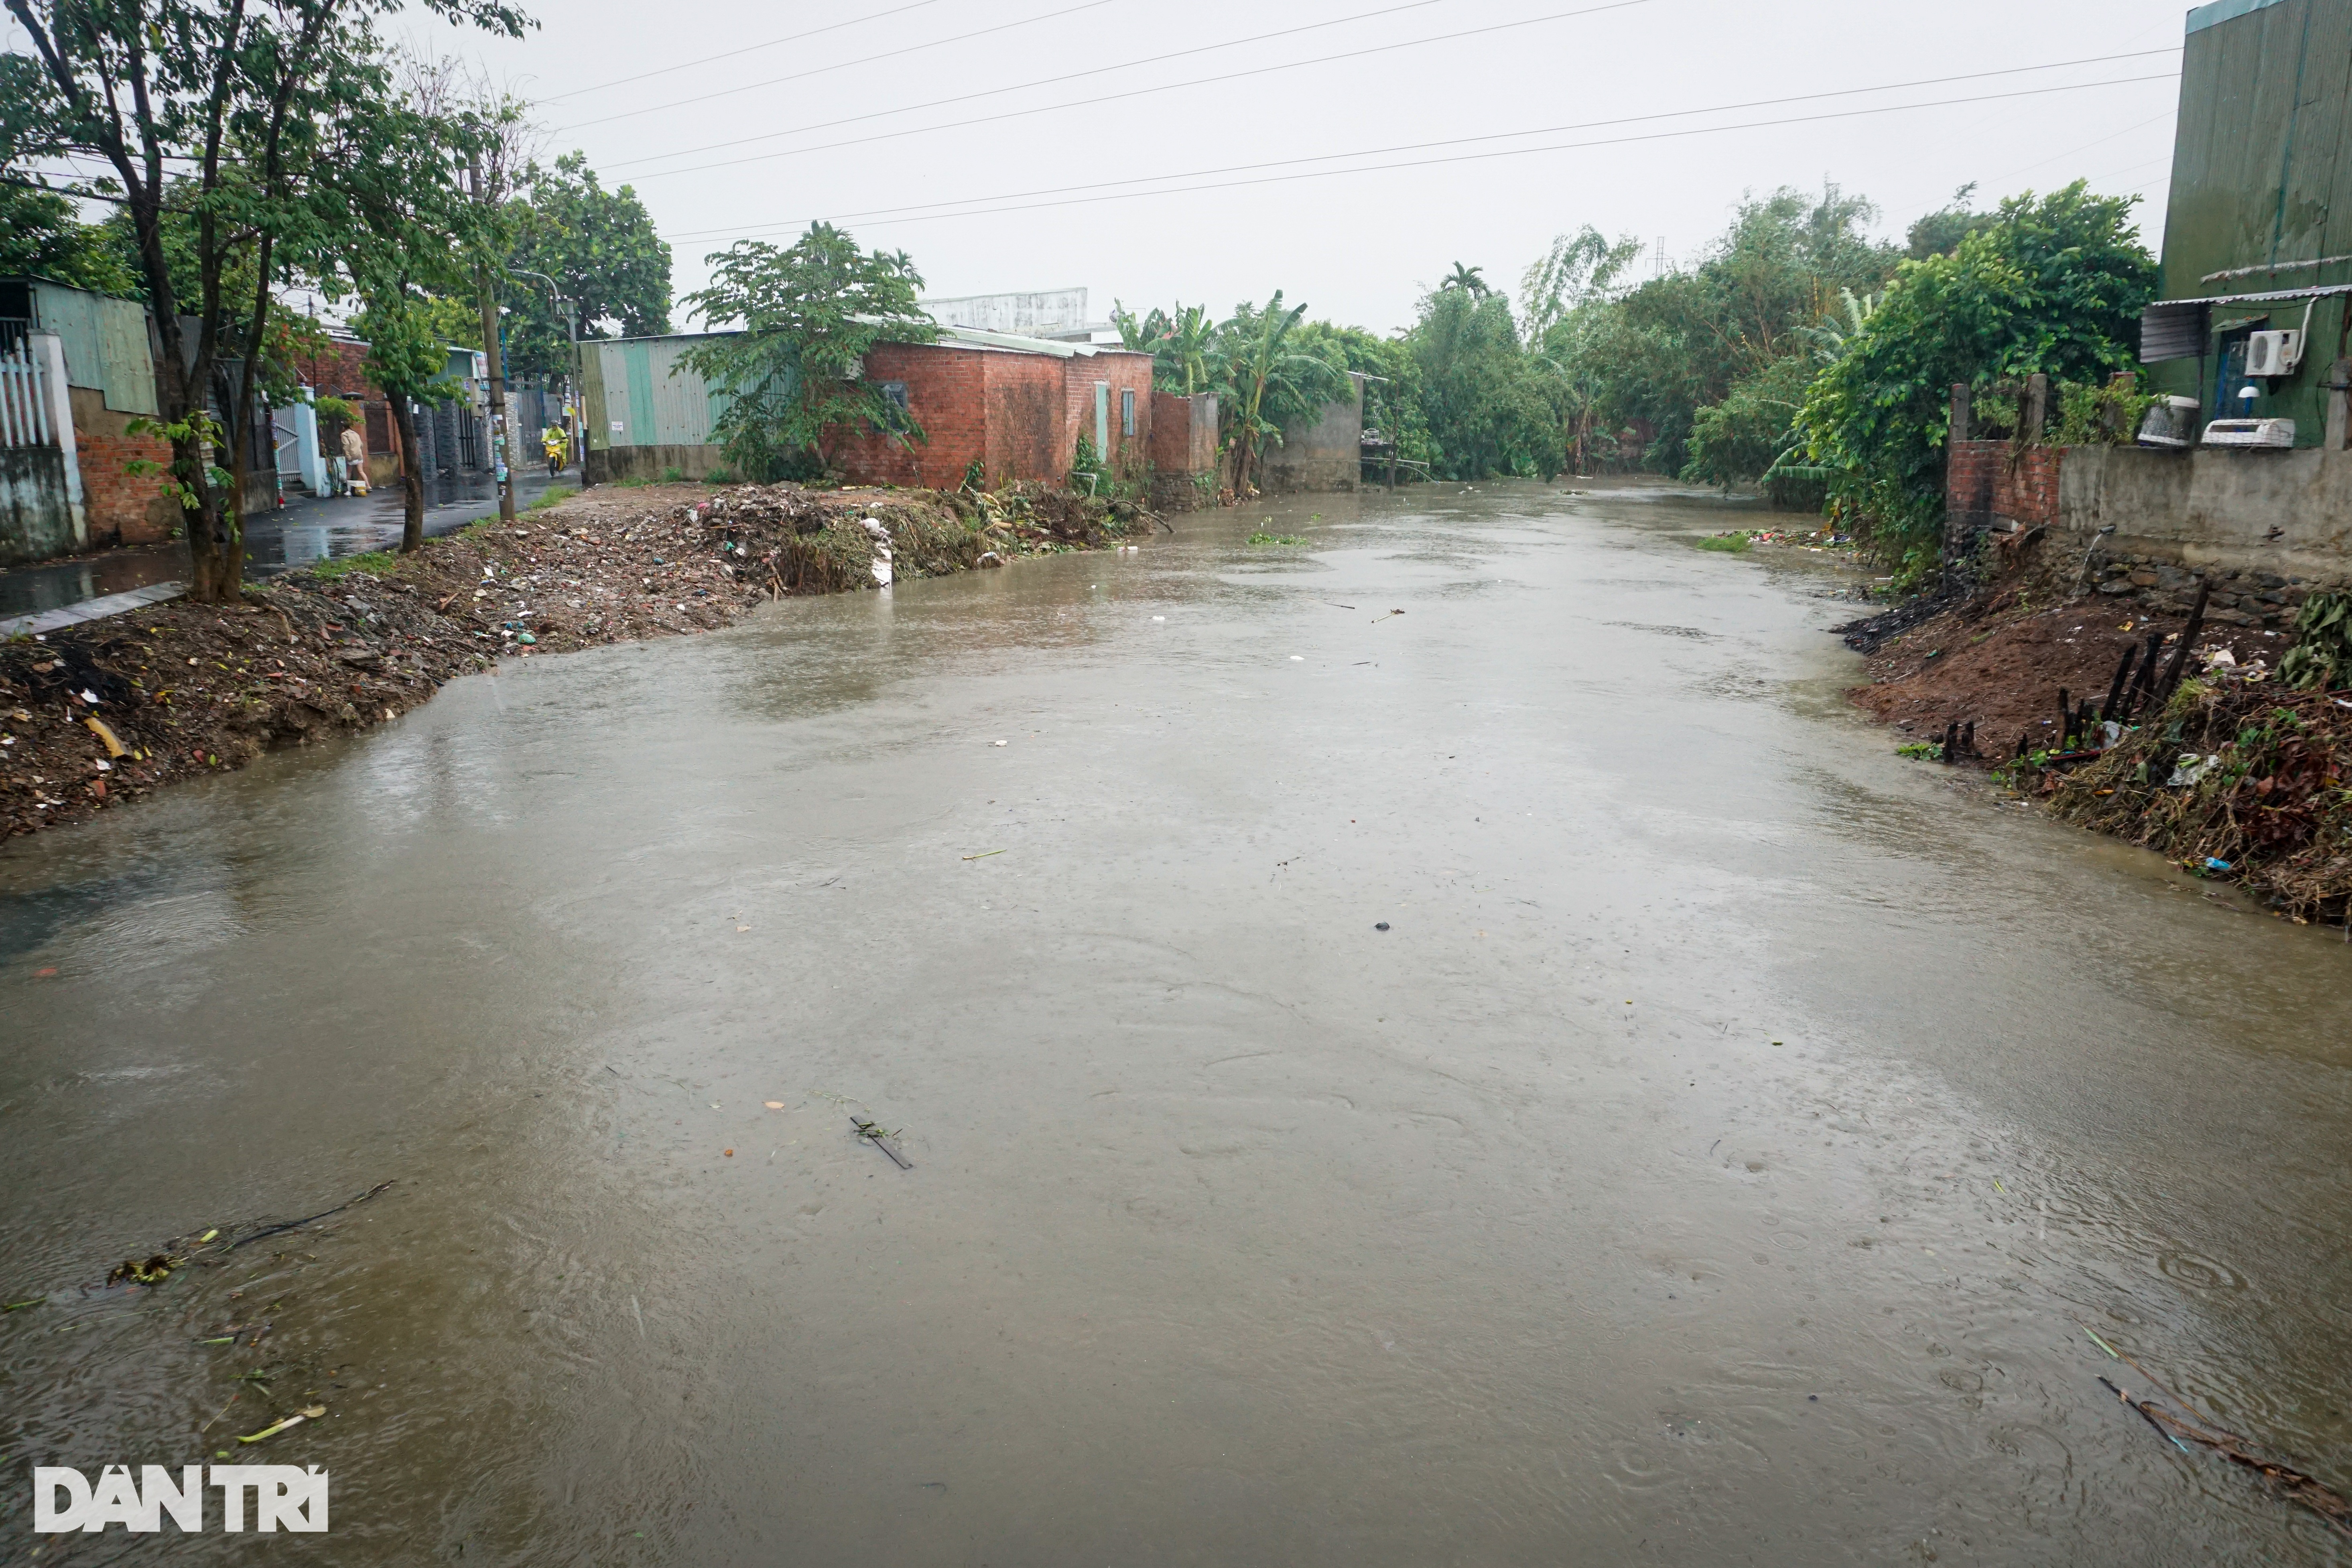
(1715, 1157)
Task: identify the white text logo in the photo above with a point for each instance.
(284, 1497)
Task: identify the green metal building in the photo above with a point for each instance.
(2258, 235)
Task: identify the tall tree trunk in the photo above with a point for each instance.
(502, 454)
(412, 478)
(215, 566)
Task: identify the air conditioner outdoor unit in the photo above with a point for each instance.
(2261, 433)
(2274, 353)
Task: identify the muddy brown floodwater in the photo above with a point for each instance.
(1715, 1160)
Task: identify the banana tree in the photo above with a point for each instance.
(1266, 382)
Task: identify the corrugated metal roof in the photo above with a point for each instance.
(2221, 11)
(2177, 329)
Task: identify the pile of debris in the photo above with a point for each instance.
(105, 711)
(2239, 775)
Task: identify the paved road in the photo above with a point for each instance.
(303, 530)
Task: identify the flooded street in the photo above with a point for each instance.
(1716, 1158)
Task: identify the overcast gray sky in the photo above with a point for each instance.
(1360, 247)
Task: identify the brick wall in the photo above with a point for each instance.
(123, 508)
(1026, 438)
(341, 371)
(1183, 444)
(1124, 372)
(946, 393)
(1995, 485)
(1020, 414)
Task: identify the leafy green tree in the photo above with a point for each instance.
(1489, 407)
(1739, 439)
(1939, 233)
(601, 248)
(1565, 301)
(1652, 360)
(2054, 284)
(808, 315)
(41, 235)
(1267, 381)
(408, 225)
(247, 108)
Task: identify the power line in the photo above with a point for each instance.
(1108, 98)
(2071, 151)
(739, 53)
(1524, 152)
(844, 64)
(1463, 141)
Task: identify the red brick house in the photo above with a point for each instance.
(1016, 405)
(341, 371)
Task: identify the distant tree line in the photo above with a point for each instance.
(1797, 353)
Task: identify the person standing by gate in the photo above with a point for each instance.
(355, 459)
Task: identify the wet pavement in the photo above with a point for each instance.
(1715, 1160)
(306, 530)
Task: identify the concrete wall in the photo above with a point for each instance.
(1327, 455)
(1046, 309)
(2288, 514)
(616, 463)
(2260, 529)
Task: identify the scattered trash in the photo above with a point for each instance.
(2193, 768)
(985, 853)
(297, 1223)
(1160, 618)
(1378, 619)
(114, 748)
(729, 1153)
(308, 1413)
(525, 637)
(775, 1104)
(153, 1271)
(2215, 863)
(999, 743)
(1380, 925)
(874, 1135)
(20, 1306)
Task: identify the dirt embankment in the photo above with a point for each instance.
(106, 711)
(2000, 662)
(2236, 776)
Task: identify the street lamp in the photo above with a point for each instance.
(572, 396)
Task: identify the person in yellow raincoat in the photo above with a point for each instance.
(558, 450)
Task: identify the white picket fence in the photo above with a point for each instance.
(25, 399)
